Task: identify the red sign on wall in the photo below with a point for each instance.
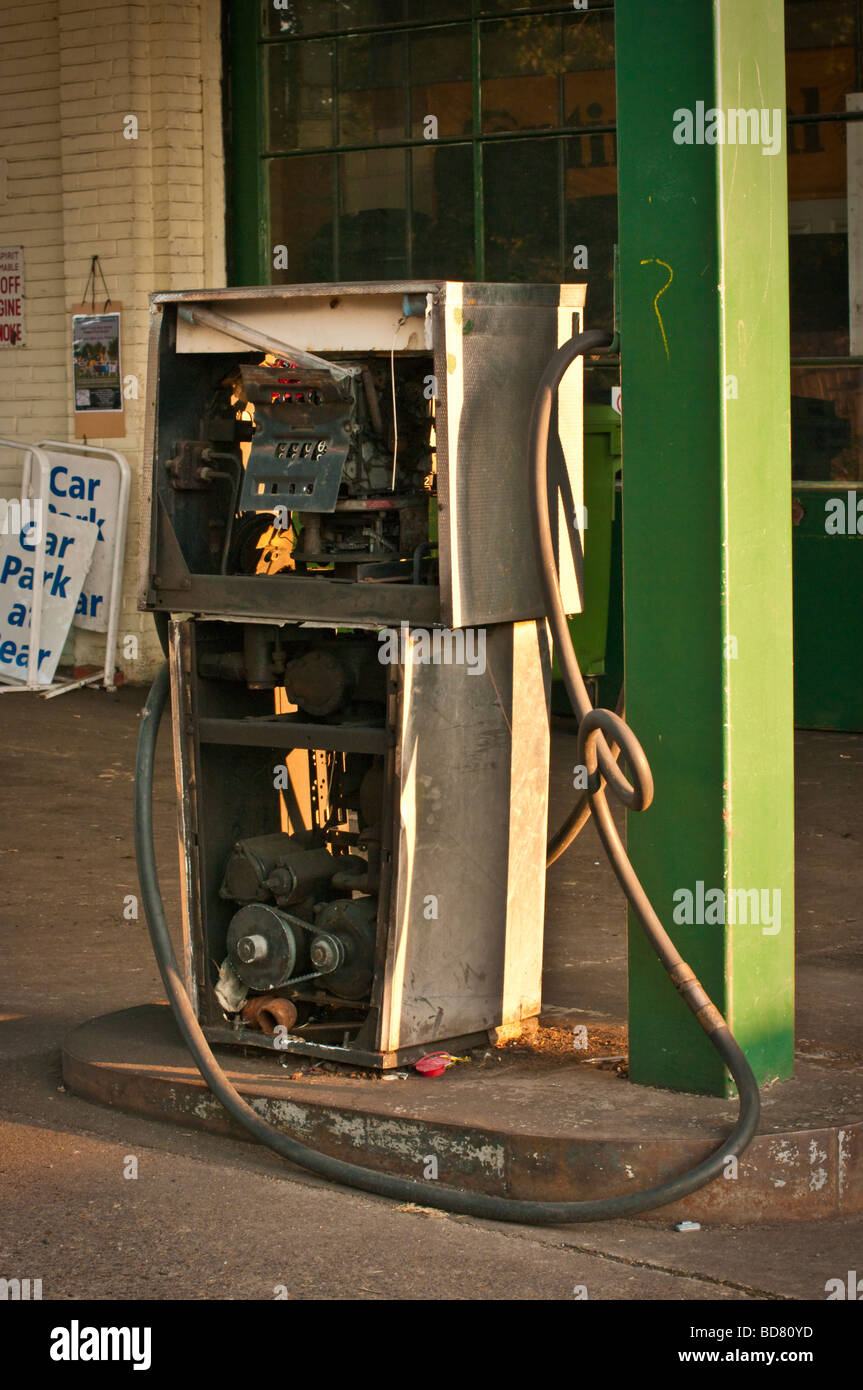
(11, 296)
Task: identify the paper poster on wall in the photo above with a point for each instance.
(87, 487)
(11, 296)
(69, 547)
(96, 366)
(97, 374)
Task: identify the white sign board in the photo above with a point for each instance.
(88, 487)
(11, 296)
(615, 399)
(68, 552)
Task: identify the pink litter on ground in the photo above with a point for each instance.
(434, 1064)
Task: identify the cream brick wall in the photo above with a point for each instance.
(152, 208)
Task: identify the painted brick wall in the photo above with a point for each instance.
(151, 207)
(32, 378)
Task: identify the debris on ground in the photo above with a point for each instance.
(436, 1063)
(604, 1045)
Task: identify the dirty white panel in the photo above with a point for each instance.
(528, 823)
(465, 944)
(320, 319)
(493, 344)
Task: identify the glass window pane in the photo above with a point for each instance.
(818, 245)
(588, 41)
(362, 14)
(520, 61)
(818, 274)
(522, 225)
(297, 17)
(373, 240)
(491, 7)
(300, 95)
(536, 71)
(372, 92)
(442, 221)
(591, 160)
(327, 16)
(817, 81)
(590, 99)
(819, 23)
(358, 14)
(441, 85)
(590, 211)
(827, 423)
(301, 211)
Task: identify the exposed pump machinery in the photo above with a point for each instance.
(364, 536)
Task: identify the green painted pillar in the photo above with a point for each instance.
(706, 521)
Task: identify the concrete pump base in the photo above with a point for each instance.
(510, 1121)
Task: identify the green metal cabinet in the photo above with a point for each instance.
(828, 613)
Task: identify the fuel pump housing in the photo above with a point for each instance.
(339, 556)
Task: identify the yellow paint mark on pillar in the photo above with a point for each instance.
(654, 260)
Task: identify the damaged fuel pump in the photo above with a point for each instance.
(363, 834)
(362, 828)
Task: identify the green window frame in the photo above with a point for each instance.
(256, 28)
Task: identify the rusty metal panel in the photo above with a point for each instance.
(466, 921)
